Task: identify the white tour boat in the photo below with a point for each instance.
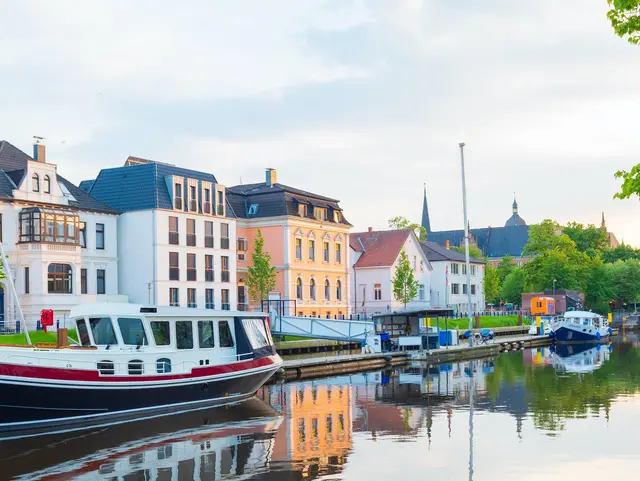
(580, 326)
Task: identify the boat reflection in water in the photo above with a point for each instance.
(236, 441)
(579, 358)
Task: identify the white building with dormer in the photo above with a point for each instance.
(61, 243)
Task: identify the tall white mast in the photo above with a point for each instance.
(9, 277)
(466, 241)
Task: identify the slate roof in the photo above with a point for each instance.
(381, 248)
(13, 164)
(278, 200)
(514, 220)
(437, 253)
(492, 241)
(141, 186)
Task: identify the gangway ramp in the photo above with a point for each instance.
(318, 328)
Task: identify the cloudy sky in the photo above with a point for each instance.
(361, 100)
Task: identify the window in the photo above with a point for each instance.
(220, 207)
(174, 266)
(299, 288)
(298, 249)
(325, 249)
(256, 333)
(473, 289)
(464, 288)
(174, 234)
(302, 210)
(47, 184)
(338, 254)
(83, 332)
(208, 234)
(224, 334)
(208, 268)
(337, 217)
(184, 335)
(338, 290)
(102, 330)
(163, 365)
(174, 296)
(83, 234)
(473, 270)
(320, 213)
(100, 236)
(205, 335)
(464, 269)
(312, 289)
(242, 298)
(60, 279)
(161, 331)
(101, 287)
(26, 280)
(225, 268)
(47, 225)
(83, 281)
(242, 244)
(191, 232)
(327, 290)
(209, 299)
(224, 235)
(455, 268)
(207, 201)
(193, 200)
(136, 367)
(225, 304)
(106, 368)
(414, 263)
(178, 196)
(191, 267)
(132, 331)
(455, 288)
(191, 297)
(421, 292)
(312, 250)
(377, 292)
(421, 266)
(35, 183)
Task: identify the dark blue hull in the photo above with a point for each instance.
(564, 334)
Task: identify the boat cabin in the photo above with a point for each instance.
(409, 330)
(585, 318)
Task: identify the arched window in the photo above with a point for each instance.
(106, 368)
(327, 290)
(163, 365)
(60, 279)
(338, 290)
(299, 288)
(312, 289)
(47, 184)
(136, 367)
(35, 182)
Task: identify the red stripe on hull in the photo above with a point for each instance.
(63, 374)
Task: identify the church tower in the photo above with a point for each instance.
(426, 223)
(515, 219)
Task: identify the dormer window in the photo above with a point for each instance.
(35, 182)
(220, 206)
(193, 202)
(337, 217)
(47, 184)
(302, 210)
(253, 209)
(207, 201)
(178, 196)
(320, 213)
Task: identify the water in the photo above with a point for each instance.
(536, 415)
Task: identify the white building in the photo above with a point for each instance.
(176, 234)
(449, 279)
(61, 243)
(374, 259)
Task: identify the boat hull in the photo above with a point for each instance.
(567, 333)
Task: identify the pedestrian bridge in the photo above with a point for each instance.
(318, 328)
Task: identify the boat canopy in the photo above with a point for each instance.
(581, 315)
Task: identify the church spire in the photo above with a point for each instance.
(515, 204)
(603, 225)
(426, 223)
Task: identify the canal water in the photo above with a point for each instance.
(538, 414)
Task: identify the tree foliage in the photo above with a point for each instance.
(261, 276)
(491, 284)
(400, 222)
(625, 278)
(505, 267)
(513, 286)
(405, 285)
(473, 251)
(625, 19)
(621, 253)
(590, 239)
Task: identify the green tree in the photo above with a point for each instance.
(473, 251)
(505, 267)
(590, 239)
(625, 277)
(513, 286)
(625, 19)
(405, 285)
(621, 253)
(599, 289)
(491, 284)
(630, 183)
(261, 276)
(403, 223)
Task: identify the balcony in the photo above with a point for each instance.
(209, 275)
(174, 273)
(191, 240)
(174, 238)
(225, 276)
(226, 307)
(208, 241)
(224, 243)
(210, 305)
(191, 275)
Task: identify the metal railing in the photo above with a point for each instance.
(208, 241)
(174, 238)
(191, 240)
(209, 275)
(225, 276)
(224, 242)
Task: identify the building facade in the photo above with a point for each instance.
(176, 234)
(307, 237)
(61, 244)
(374, 257)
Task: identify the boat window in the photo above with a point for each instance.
(255, 332)
(83, 333)
(163, 365)
(135, 367)
(132, 331)
(205, 334)
(224, 333)
(161, 332)
(184, 335)
(102, 330)
(106, 367)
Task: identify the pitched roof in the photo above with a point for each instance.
(492, 241)
(515, 219)
(437, 253)
(251, 201)
(381, 248)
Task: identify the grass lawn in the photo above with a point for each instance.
(485, 321)
(36, 336)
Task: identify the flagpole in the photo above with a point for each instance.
(466, 242)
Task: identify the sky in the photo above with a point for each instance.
(360, 100)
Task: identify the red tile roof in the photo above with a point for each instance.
(381, 248)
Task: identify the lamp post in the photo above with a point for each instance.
(466, 242)
(554, 287)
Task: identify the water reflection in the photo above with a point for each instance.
(365, 426)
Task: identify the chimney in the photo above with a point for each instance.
(271, 177)
(370, 230)
(39, 152)
(447, 244)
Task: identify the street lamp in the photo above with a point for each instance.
(554, 287)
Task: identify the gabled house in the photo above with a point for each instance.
(61, 243)
(374, 259)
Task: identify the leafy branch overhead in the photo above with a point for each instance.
(625, 19)
(630, 182)
(400, 222)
